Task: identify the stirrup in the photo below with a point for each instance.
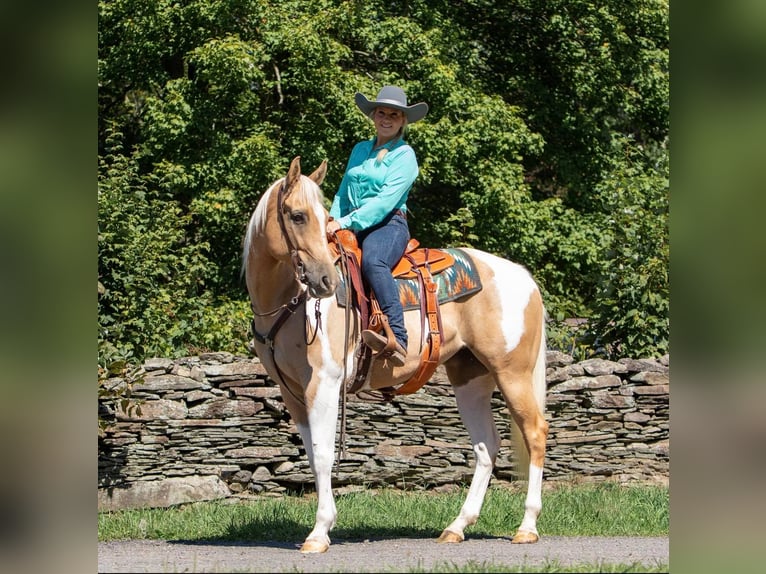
(385, 348)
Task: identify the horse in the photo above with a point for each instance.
(494, 338)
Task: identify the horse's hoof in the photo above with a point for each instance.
(314, 547)
(525, 537)
(449, 537)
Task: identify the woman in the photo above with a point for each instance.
(372, 202)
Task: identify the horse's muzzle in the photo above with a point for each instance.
(322, 285)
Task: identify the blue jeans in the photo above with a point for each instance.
(382, 248)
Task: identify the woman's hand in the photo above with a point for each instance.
(332, 227)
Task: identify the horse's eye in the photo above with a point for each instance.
(298, 217)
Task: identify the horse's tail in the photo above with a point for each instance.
(539, 383)
(539, 387)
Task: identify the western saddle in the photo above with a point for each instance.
(416, 263)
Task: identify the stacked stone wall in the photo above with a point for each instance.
(214, 426)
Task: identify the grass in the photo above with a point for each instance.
(605, 509)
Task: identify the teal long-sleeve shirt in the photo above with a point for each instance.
(369, 190)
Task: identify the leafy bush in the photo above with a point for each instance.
(154, 300)
(632, 300)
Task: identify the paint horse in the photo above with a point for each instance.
(494, 338)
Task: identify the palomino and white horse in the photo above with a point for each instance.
(494, 338)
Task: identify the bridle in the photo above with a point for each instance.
(298, 266)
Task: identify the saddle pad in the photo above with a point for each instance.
(457, 281)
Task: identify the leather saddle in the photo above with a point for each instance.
(416, 263)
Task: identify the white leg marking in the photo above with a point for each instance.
(534, 502)
(469, 512)
(321, 449)
(475, 408)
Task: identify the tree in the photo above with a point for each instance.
(203, 105)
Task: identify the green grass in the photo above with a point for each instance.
(606, 509)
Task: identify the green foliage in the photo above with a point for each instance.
(155, 301)
(470, 158)
(546, 135)
(583, 71)
(631, 307)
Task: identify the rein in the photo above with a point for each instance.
(346, 337)
(286, 311)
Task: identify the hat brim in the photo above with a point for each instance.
(414, 113)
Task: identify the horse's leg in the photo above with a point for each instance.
(519, 395)
(474, 403)
(318, 433)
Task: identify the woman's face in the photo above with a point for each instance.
(388, 123)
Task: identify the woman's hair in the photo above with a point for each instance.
(382, 153)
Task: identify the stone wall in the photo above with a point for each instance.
(214, 426)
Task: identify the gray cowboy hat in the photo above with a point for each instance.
(392, 97)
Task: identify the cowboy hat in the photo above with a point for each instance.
(392, 97)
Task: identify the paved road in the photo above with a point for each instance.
(392, 555)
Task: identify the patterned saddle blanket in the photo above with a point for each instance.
(458, 280)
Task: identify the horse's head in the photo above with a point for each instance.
(302, 221)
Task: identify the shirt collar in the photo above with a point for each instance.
(390, 145)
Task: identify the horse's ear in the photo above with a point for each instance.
(318, 175)
(294, 172)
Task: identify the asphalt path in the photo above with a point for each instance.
(390, 555)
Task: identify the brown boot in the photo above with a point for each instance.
(378, 342)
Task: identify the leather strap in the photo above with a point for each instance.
(268, 340)
(429, 358)
(287, 311)
(349, 252)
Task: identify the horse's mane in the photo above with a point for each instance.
(307, 191)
